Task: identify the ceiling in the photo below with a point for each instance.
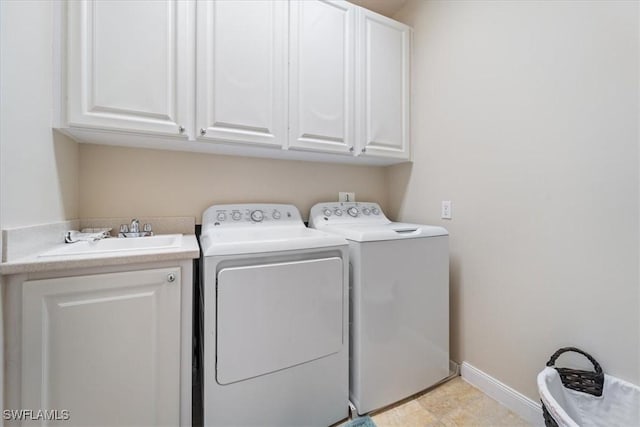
(383, 7)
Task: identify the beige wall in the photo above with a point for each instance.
(117, 181)
(525, 115)
(39, 168)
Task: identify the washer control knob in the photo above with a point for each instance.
(257, 215)
(337, 211)
(366, 211)
(236, 216)
(276, 214)
(221, 216)
(375, 211)
(353, 211)
(326, 212)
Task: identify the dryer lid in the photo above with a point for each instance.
(272, 239)
(274, 316)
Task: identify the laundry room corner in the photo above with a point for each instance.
(533, 138)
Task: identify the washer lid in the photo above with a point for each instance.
(365, 222)
(390, 231)
(271, 239)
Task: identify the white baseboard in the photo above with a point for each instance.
(526, 408)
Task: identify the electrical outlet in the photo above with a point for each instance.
(346, 197)
(445, 213)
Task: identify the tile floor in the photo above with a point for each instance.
(454, 403)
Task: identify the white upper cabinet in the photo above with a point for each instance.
(295, 79)
(322, 59)
(128, 65)
(383, 87)
(241, 71)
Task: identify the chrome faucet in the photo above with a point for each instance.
(133, 230)
(135, 226)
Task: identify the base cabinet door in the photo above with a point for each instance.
(105, 347)
(383, 87)
(129, 65)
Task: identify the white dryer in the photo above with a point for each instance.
(275, 297)
(399, 302)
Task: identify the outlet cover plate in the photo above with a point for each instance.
(446, 209)
(344, 196)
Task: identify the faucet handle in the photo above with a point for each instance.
(146, 228)
(124, 228)
(135, 226)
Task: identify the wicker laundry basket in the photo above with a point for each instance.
(576, 398)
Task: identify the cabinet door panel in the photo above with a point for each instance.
(105, 347)
(384, 87)
(321, 104)
(128, 65)
(242, 71)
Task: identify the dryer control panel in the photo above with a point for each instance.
(255, 214)
(346, 212)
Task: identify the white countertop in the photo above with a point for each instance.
(188, 249)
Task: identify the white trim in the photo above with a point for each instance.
(526, 408)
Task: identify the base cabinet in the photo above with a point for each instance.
(104, 347)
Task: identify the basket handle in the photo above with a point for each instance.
(557, 354)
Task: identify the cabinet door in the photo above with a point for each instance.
(383, 86)
(321, 102)
(104, 347)
(129, 65)
(241, 71)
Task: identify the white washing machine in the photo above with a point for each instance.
(399, 302)
(275, 297)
